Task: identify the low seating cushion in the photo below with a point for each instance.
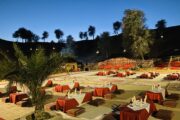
(75, 112)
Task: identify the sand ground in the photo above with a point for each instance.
(130, 85)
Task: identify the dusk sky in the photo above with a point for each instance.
(73, 16)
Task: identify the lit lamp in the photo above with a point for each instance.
(97, 52)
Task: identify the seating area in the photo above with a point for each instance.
(173, 76)
(66, 87)
(116, 73)
(73, 97)
(148, 75)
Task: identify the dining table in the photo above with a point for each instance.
(49, 83)
(13, 89)
(67, 86)
(81, 97)
(101, 91)
(137, 111)
(156, 94)
(65, 103)
(16, 97)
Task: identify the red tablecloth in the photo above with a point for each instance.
(129, 114)
(49, 83)
(145, 75)
(65, 104)
(101, 74)
(121, 75)
(114, 88)
(1, 118)
(100, 92)
(13, 89)
(61, 88)
(76, 85)
(154, 96)
(88, 97)
(152, 106)
(16, 97)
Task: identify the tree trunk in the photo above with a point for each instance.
(38, 102)
(142, 56)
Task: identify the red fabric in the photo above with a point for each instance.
(114, 88)
(76, 85)
(117, 67)
(16, 97)
(101, 73)
(88, 97)
(110, 72)
(175, 63)
(101, 91)
(65, 104)
(49, 83)
(13, 89)
(121, 75)
(128, 114)
(173, 76)
(144, 75)
(128, 72)
(154, 96)
(108, 66)
(152, 106)
(61, 88)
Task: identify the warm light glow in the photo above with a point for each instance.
(97, 52)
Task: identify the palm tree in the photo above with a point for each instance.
(85, 35)
(35, 38)
(16, 35)
(45, 35)
(91, 31)
(59, 33)
(31, 71)
(116, 26)
(81, 36)
(161, 24)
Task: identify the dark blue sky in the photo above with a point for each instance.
(73, 16)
